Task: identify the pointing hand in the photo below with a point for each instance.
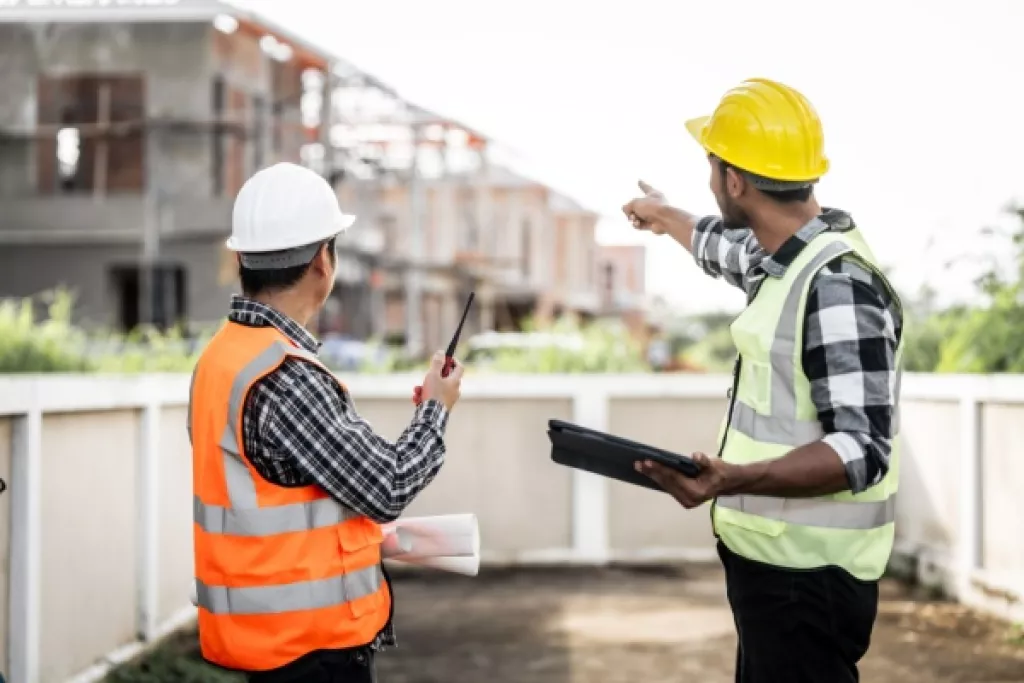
(645, 212)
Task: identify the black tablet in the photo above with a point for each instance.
(610, 456)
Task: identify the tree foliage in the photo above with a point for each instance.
(987, 338)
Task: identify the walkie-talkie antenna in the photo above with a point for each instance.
(450, 354)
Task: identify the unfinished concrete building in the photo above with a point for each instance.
(124, 136)
(126, 131)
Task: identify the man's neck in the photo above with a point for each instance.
(289, 304)
(777, 223)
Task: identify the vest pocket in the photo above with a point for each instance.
(359, 533)
(755, 386)
(759, 387)
(360, 541)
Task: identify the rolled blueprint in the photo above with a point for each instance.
(450, 543)
(446, 542)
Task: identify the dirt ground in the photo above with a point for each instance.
(651, 625)
(586, 625)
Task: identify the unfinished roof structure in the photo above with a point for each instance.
(128, 126)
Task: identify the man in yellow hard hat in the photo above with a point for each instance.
(804, 484)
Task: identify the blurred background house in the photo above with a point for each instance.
(126, 131)
(622, 271)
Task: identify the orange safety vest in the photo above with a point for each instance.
(280, 571)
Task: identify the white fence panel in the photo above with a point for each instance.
(956, 523)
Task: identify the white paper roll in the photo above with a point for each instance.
(440, 536)
(396, 542)
(446, 542)
(450, 543)
(467, 566)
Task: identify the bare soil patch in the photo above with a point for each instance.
(622, 625)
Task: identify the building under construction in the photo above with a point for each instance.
(126, 131)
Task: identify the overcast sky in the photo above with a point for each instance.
(921, 103)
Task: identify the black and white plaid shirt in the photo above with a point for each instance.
(852, 327)
(301, 429)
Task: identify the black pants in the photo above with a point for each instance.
(325, 666)
(808, 626)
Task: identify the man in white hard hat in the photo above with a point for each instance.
(290, 484)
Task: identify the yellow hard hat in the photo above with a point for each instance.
(765, 128)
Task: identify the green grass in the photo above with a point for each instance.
(176, 659)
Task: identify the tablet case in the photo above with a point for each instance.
(610, 456)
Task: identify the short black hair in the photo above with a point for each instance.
(795, 196)
(256, 282)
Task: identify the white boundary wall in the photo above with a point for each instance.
(28, 399)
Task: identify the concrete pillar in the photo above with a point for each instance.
(487, 320)
(451, 309)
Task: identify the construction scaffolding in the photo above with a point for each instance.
(98, 133)
(379, 141)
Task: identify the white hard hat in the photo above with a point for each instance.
(280, 209)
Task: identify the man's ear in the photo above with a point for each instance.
(324, 260)
(735, 183)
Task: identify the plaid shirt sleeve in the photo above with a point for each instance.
(852, 329)
(314, 424)
(724, 253)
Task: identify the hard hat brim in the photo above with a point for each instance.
(695, 127)
(343, 223)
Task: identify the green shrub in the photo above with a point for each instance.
(606, 347)
(53, 345)
(29, 344)
(715, 352)
(148, 351)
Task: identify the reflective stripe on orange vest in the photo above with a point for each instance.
(280, 571)
(294, 596)
(215, 519)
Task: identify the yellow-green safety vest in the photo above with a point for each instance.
(772, 413)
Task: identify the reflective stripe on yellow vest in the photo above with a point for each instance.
(280, 571)
(773, 413)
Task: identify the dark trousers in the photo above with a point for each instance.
(810, 626)
(325, 666)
